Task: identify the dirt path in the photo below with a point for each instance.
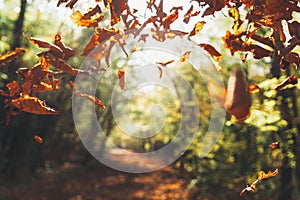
(98, 182)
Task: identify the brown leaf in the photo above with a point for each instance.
(33, 105)
(216, 55)
(11, 55)
(238, 101)
(43, 44)
(190, 14)
(70, 4)
(91, 98)
(67, 51)
(116, 9)
(292, 79)
(14, 88)
(164, 64)
(121, 76)
(160, 71)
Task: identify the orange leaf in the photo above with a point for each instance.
(121, 76)
(33, 105)
(197, 28)
(254, 88)
(38, 139)
(185, 56)
(9, 56)
(262, 175)
(275, 145)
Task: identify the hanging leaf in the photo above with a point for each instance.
(121, 76)
(238, 101)
(38, 139)
(9, 56)
(292, 79)
(91, 98)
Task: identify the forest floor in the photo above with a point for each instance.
(98, 182)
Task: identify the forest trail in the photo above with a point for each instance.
(98, 182)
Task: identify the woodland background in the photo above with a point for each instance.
(60, 167)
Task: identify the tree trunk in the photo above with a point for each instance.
(19, 25)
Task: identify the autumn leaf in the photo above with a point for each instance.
(121, 76)
(275, 145)
(249, 188)
(216, 55)
(160, 71)
(11, 55)
(185, 56)
(14, 88)
(189, 14)
(67, 51)
(164, 64)
(262, 175)
(197, 28)
(91, 98)
(254, 88)
(43, 44)
(292, 79)
(88, 19)
(33, 105)
(70, 4)
(38, 139)
(238, 101)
